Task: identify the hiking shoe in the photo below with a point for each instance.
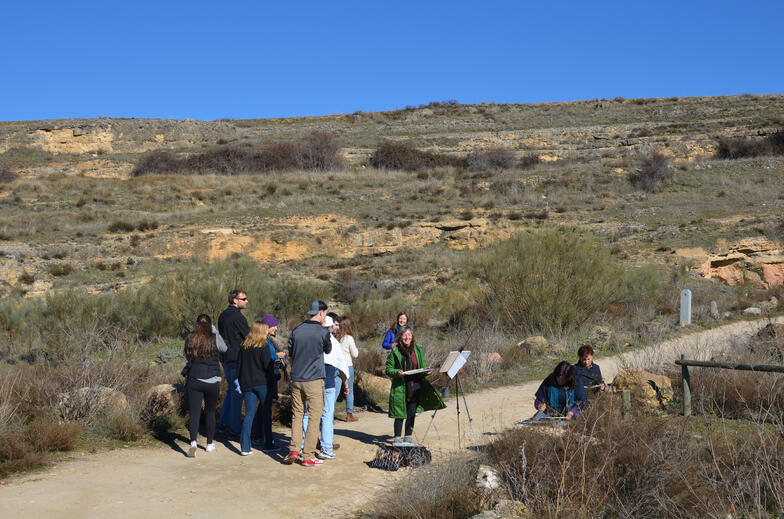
(324, 455)
(335, 446)
(210, 447)
(291, 457)
(312, 462)
(246, 453)
(192, 450)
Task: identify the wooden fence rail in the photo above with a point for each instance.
(685, 363)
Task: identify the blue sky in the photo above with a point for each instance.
(212, 60)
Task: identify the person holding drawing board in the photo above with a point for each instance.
(411, 393)
(561, 393)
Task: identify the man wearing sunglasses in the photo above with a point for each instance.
(233, 327)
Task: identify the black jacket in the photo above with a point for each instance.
(204, 368)
(255, 367)
(233, 327)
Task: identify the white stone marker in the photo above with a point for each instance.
(685, 307)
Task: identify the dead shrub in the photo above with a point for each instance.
(654, 170)
(319, 151)
(157, 162)
(16, 454)
(398, 155)
(371, 360)
(46, 435)
(528, 161)
(60, 269)
(484, 159)
(120, 226)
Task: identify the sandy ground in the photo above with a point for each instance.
(142, 482)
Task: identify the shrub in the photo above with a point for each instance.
(743, 147)
(147, 225)
(440, 491)
(529, 161)
(396, 155)
(490, 158)
(551, 281)
(319, 151)
(157, 162)
(654, 170)
(6, 175)
(60, 269)
(121, 226)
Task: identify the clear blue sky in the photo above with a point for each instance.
(210, 60)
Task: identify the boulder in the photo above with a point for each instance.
(162, 400)
(773, 274)
(87, 402)
(647, 389)
(505, 509)
(752, 310)
(769, 341)
(492, 357)
(535, 346)
(371, 389)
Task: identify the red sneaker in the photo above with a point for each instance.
(312, 462)
(291, 457)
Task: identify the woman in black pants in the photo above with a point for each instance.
(203, 367)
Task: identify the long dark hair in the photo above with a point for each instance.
(395, 325)
(566, 370)
(200, 343)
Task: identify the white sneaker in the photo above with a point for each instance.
(397, 441)
(192, 450)
(408, 441)
(324, 455)
(246, 453)
(210, 447)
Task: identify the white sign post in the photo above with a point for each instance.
(685, 307)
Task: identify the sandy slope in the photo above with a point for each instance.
(141, 482)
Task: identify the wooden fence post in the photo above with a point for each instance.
(627, 403)
(686, 389)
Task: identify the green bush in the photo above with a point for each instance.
(551, 281)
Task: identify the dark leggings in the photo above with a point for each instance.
(198, 390)
(411, 408)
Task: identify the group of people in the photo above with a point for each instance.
(320, 355)
(563, 393)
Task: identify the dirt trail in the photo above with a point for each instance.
(142, 482)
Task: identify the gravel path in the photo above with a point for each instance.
(161, 481)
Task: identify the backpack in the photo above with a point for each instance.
(392, 458)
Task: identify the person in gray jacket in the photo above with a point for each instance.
(308, 343)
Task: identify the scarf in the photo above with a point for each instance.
(408, 364)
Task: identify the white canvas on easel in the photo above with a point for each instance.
(453, 362)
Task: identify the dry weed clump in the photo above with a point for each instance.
(646, 466)
(6, 175)
(439, 491)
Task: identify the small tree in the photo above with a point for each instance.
(654, 171)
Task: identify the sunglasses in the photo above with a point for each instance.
(242, 298)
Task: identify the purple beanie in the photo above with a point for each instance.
(269, 320)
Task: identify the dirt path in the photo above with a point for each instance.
(142, 482)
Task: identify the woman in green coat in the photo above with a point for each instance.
(410, 394)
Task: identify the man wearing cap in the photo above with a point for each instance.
(308, 343)
(233, 327)
(335, 369)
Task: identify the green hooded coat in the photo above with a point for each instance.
(428, 397)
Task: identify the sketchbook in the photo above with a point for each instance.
(418, 371)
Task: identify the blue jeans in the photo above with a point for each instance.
(350, 395)
(252, 395)
(231, 410)
(327, 427)
(262, 424)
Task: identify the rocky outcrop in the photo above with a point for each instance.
(163, 400)
(647, 389)
(536, 346)
(752, 260)
(371, 389)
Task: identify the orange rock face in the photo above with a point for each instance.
(753, 260)
(773, 274)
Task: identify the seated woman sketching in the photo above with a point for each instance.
(560, 394)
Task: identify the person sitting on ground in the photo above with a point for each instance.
(255, 369)
(588, 372)
(346, 337)
(202, 349)
(389, 338)
(409, 394)
(561, 393)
